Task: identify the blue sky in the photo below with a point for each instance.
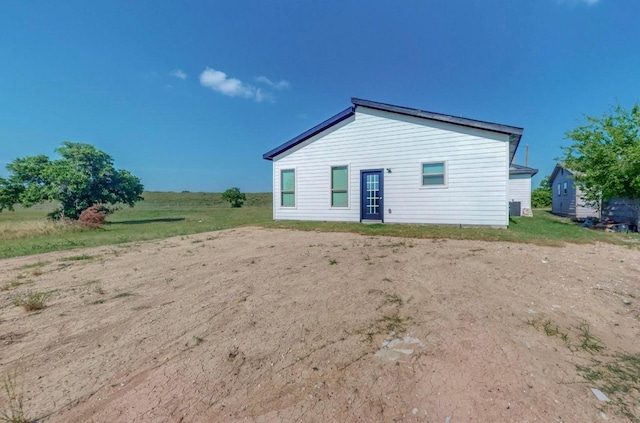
(189, 94)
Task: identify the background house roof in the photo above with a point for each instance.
(515, 133)
(557, 169)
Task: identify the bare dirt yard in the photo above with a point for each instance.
(257, 325)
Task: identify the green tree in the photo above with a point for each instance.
(605, 155)
(541, 196)
(234, 196)
(82, 177)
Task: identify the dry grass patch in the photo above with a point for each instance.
(32, 301)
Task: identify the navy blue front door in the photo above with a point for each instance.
(371, 195)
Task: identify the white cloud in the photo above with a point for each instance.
(179, 73)
(280, 85)
(232, 87)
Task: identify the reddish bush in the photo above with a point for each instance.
(93, 216)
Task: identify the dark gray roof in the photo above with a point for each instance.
(515, 133)
(516, 169)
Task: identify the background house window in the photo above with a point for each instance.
(558, 188)
(288, 188)
(339, 186)
(433, 174)
(565, 188)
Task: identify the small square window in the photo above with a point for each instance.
(433, 174)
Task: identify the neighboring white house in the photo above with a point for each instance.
(566, 197)
(520, 187)
(375, 162)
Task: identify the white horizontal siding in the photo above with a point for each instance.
(476, 161)
(520, 190)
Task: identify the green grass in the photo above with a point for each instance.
(543, 229)
(160, 215)
(166, 214)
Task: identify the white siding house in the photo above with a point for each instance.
(520, 186)
(379, 162)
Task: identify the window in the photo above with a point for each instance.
(433, 174)
(565, 188)
(339, 186)
(288, 188)
(558, 188)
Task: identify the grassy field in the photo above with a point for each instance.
(165, 214)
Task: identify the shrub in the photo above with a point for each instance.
(234, 196)
(93, 216)
(32, 301)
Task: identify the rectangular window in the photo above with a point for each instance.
(565, 188)
(558, 189)
(288, 188)
(339, 186)
(433, 174)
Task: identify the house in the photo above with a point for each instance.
(376, 162)
(520, 189)
(566, 197)
(567, 201)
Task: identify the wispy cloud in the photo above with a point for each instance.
(280, 85)
(179, 73)
(220, 82)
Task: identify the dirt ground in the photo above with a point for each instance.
(257, 325)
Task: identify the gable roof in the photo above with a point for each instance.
(515, 133)
(557, 169)
(516, 169)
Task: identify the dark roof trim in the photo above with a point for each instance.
(310, 133)
(494, 127)
(515, 133)
(516, 169)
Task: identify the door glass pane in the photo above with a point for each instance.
(373, 188)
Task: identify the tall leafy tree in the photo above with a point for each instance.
(82, 177)
(605, 155)
(541, 197)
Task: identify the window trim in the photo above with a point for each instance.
(558, 191)
(294, 192)
(332, 189)
(564, 186)
(445, 174)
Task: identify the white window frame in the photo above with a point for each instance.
(331, 190)
(445, 174)
(558, 190)
(564, 186)
(295, 188)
